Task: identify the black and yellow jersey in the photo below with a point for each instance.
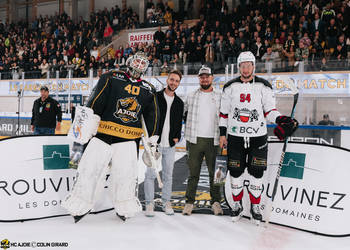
(121, 102)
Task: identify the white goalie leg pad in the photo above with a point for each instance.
(90, 178)
(84, 126)
(124, 173)
(233, 189)
(255, 189)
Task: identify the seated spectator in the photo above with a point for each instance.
(164, 69)
(289, 55)
(119, 61)
(107, 33)
(326, 120)
(156, 64)
(271, 57)
(301, 53)
(94, 52)
(168, 18)
(44, 67)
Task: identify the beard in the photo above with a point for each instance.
(171, 89)
(205, 87)
(246, 77)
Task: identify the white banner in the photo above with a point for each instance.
(35, 177)
(135, 38)
(314, 84)
(313, 191)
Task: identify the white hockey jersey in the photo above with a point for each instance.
(246, 106)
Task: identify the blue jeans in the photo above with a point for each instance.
(168, 159)
(44, 131)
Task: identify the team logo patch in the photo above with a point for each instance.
(234, 163)
(245, 115)
(259, 162)
(127, 109)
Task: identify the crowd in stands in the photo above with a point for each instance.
(56, 43)
(285, 33)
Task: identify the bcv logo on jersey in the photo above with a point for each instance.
(245, 130)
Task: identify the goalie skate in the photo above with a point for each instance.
(236, 212)
(256, 215)
(77, 218)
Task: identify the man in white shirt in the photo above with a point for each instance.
(202, 138)
(170, 123)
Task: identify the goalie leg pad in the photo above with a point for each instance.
(124, 179)
(90, 177)
(255, 189)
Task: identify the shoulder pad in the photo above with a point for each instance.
(263, 81)
(235, 80)
(147, 85)
(118, 74)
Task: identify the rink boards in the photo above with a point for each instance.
(312, 194)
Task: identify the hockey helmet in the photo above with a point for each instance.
(246, 56)
(137, 64)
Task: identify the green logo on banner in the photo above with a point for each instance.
(293, 165)
(55, 156)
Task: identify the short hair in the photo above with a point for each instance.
(176, 72)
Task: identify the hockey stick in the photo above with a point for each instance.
(162, 84)
(295, 93)
(145, 140)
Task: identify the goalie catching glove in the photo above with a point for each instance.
(150, 148)
(286, 126)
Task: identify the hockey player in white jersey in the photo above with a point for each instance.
(247, 104)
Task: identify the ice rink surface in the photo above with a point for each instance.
(163, 232)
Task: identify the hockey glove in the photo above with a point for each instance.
(286, 126)
(76, 154)
(151, 149)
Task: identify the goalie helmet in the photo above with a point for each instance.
(137, 65)
(246, 56)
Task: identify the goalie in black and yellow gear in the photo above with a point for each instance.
(120, 99)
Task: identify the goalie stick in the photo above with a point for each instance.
(145, 140)
(268, 207)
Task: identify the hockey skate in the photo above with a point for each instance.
(236, 212)
(122, 217)
(256, 215)
(77, 218)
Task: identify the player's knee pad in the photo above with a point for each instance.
(124, 174)
(235, 168)
(255, 189)
(257, 166)
(90, 177)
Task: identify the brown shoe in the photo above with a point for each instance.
(216, 207)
